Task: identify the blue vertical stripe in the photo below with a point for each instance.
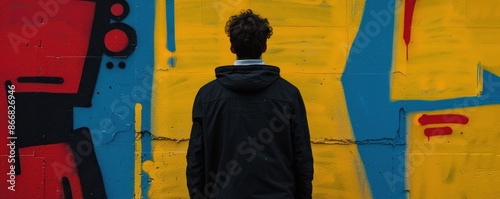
(170, 26)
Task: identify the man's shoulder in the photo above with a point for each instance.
(208, 86)
(287, 85)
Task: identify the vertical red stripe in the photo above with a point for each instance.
(409, 8)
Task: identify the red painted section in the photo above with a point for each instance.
(116, 40)
(49, 38)
(117, 9)
(47, 164)
(408, 18)
(442, 119)
(437, 131)
(45, 38)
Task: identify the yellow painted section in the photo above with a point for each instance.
(310, 44)
(460, 165)
(448, 40)
(138, 152)
(138, 117)
(452, 41)
(168, 171)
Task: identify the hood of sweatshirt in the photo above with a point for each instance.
(248, 78)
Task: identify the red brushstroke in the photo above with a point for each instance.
(409, 8)
(443, 118)
(437, 131)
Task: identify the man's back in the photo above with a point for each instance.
(250, 137)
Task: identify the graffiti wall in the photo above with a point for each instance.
(401, 95)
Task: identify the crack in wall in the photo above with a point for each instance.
(380, 141)
(178, 140)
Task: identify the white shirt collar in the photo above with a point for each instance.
(244, 62)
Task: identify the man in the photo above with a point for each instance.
(250, 136)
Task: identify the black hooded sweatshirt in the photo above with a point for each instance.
(250, 137)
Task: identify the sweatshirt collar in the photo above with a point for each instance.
(245, 62)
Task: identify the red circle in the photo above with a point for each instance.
(116, 40)
(117, 9)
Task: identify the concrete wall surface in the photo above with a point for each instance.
(402, 96)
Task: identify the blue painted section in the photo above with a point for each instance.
(379, 123)
(171, 62)
(146, 155)
(373, 116)
(170, 25)
(145, 77)
(111, 116)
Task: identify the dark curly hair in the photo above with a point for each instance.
(248, 33)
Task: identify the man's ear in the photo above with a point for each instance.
(232, 50)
